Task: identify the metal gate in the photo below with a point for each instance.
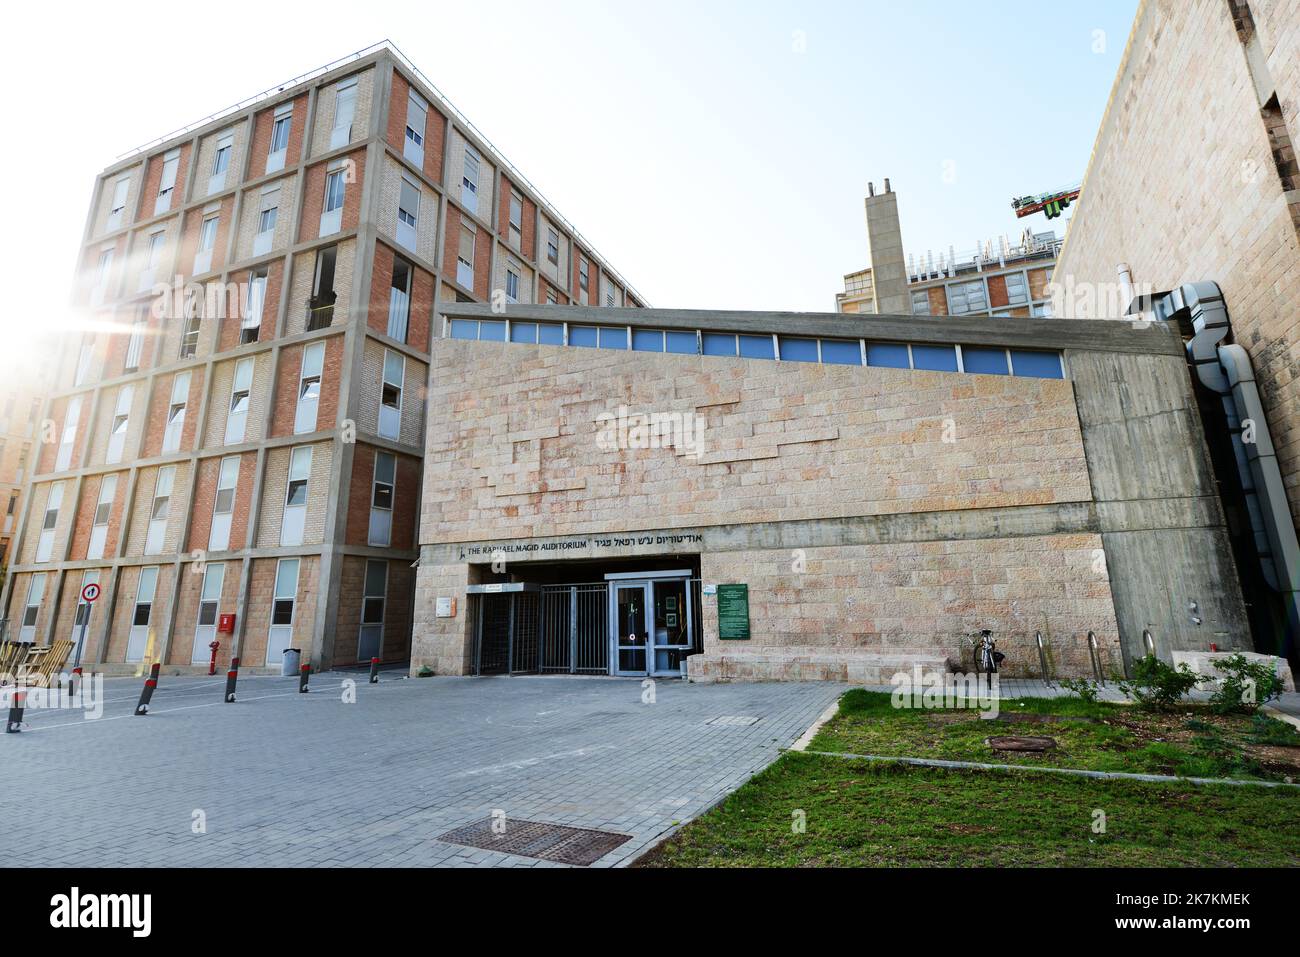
(575, 629)
(561, 629)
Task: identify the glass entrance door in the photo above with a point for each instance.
(671, 640)
(629, 611)
(651, 625)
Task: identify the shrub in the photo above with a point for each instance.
(1246, 685)
(1159, 686)
(1085, 688)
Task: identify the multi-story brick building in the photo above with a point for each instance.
(21, 394)
(249, 441)
(999, 278)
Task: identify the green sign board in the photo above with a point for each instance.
(733, 612)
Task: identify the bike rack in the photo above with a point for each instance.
(1094, 652)
(1149, 642)
(1042, 659)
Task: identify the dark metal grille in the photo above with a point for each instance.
(523, 624)
(546, 842)
(493, 653)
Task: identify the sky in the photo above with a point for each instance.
(716, 152)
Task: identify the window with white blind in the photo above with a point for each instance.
(250, 327)
(167, 181)
(152, 259)
(241, 390)
(294, 520)
(516, 220)
(469, 180)
(408, 214)
(331, 217)
(207, 243)
(281, 125)
(381, 500)
(160, 510)
(32, 608)
(223, 505)
(309, 380)
(103, 273)
(68, 438)
(190, 333)
(50, 520)
(176, 412)
(99, 524)
(135, 345)
(221, 162)
(390, 402)
(465, 257)
(120, 424)
(345, 111)
(417, 112)
(399, 299)
(117, 209)
(267, 216)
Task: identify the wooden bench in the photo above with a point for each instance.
(12, 655)
(42, 664)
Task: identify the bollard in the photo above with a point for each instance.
(374, 671)
(72, 681)
(14, 724)
(146, 693)
(1094, 652)
(303, 674)
(231, 677)
(1042, 659)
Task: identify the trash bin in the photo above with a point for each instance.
(292, 660)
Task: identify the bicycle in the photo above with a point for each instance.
(986, 654)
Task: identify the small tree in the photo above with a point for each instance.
(1159, 686)
(1246, 685)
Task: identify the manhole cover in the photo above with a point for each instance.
(733, 721)
(1019, 742)
(546, 842)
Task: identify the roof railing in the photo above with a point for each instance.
(385, 44)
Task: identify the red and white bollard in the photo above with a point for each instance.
(231, 677)
(146, 694)
(303, 674)
(374, 671)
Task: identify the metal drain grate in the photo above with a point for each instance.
(733, 721)
(546, 842)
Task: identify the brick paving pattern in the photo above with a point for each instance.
(289, 779)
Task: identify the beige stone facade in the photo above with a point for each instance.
(877, 515)
(1193, 179)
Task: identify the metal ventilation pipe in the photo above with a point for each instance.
(1125, 285)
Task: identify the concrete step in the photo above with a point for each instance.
(813, 664)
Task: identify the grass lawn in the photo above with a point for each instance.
(874, 815)
(1191, 741)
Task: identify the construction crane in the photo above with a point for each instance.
(1050, 203)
